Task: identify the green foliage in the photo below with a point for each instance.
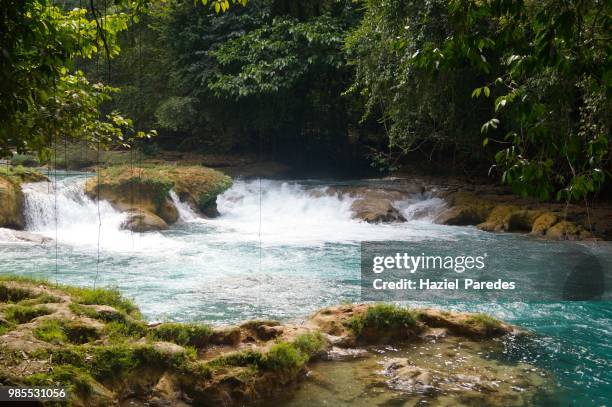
(74, 378)
(43, 96)
(310, 344)
(533, 77)
(284, 356)
(41, 299)
(242, 359)
(14, 294)
(382, 317)
(183, 334)
(26, 160)
(21, 314)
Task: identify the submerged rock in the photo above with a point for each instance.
(11, 235)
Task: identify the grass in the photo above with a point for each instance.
(382, 317)
(202, 183)
(19, 174)
(41, 299)
(103, 296)
(60, 331)
(487, 322)
(21, 314)
(75, 379)
(310, 344)
(14, 294)
(196, 335)
(51, 331)
(242, 359)
(284, 356)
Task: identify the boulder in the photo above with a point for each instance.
(566, 230)
(466, 208)
(143, 221)
(543, 222)
(376, 210)
(460, 216)
(11, 208)
(497, 220)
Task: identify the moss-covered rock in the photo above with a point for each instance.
(522, 220)
(544, 222)
(465, 209)
(94, 342)
(566, 230)
(147, 188)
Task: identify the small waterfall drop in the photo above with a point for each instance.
(61, 209)
(185, 211)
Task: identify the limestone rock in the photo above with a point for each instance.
(143, 221)
(11, 207)
(543, 222)
(566, 230)
(376, 210)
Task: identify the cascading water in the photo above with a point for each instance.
(209, 269)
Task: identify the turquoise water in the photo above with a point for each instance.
(301, 254)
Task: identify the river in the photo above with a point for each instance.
(284, 249)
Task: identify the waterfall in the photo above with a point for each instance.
(60, 210)
(297, 214)
(185, 211)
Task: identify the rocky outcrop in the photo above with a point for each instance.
(146, 191)
(11, 197)
(98, 345)
(512, 214)
(11, 210)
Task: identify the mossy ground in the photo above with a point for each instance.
(95, 342)
(18, 174)
(91, 339)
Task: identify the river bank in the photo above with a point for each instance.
(94, 342)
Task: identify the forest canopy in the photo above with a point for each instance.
(519, 90)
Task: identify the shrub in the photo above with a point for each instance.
(284, 356)
(310, 344)
(26, 160)
(382, 317)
